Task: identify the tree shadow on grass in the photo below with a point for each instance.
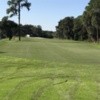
(2, 52)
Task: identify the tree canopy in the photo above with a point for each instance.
(86, 26)
(15, 9)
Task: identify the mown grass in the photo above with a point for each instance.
(53, 50)
(43, 69)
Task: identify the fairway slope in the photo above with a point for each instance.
(43, 69)
(53, 50)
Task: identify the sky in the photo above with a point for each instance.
(47, 13)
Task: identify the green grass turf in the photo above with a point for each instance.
(44, 69)
(53, 50)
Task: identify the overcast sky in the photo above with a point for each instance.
(47, 13)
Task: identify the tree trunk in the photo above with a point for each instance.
(19, 21)
(97, 36)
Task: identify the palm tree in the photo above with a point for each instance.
(15, 9)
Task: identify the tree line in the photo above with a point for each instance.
(9, 29)
(84, 27)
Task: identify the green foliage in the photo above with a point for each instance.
(64, 28)
(79, 30)
(35, 31)
(71, 28)
(8, 28)
(14, 6)
(91, 18)
(86, 26)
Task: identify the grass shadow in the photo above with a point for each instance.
(2, 52)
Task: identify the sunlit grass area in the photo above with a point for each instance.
(53, 50)
(49, 69)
